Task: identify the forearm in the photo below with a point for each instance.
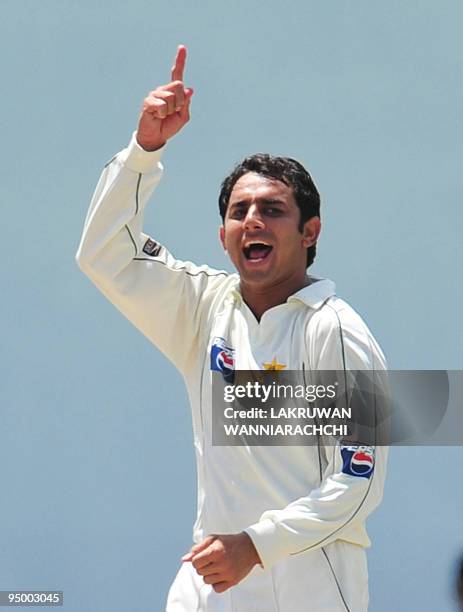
(336, 510)
(112, 233)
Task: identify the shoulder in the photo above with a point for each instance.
(337, 314)
(159, 256)
(337, 333)
(196, 288)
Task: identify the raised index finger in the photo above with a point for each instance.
(179, 65)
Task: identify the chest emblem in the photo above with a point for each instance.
(223, 359)
(274, 365)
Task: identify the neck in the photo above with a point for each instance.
(262, 298)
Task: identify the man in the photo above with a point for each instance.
(278, 527)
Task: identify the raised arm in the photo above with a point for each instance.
(164, 298)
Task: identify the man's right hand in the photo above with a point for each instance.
(166, 109)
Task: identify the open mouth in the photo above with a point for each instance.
(257, 251)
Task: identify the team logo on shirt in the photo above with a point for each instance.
(223, 359)
(273, 365)
(152, 248)
(358, 460)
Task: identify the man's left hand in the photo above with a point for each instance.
(223, 560)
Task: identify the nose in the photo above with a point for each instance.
(253, 219)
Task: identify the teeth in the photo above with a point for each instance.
(248, 244)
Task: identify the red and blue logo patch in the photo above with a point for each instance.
(358, 460)
(223, 359)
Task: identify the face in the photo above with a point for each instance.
(261, 232)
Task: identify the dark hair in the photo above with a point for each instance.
(286, 170)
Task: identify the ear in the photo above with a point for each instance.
(311, 231)
(222, 236)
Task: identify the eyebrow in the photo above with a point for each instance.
(242, 203)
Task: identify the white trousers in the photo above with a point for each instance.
(331, 579)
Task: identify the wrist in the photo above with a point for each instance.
(137, 159)
(149, 146)
(254, 555)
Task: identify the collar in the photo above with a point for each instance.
(314, 295)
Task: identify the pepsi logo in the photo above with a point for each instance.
(358, 460)
(361, 463)
(223, 359)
